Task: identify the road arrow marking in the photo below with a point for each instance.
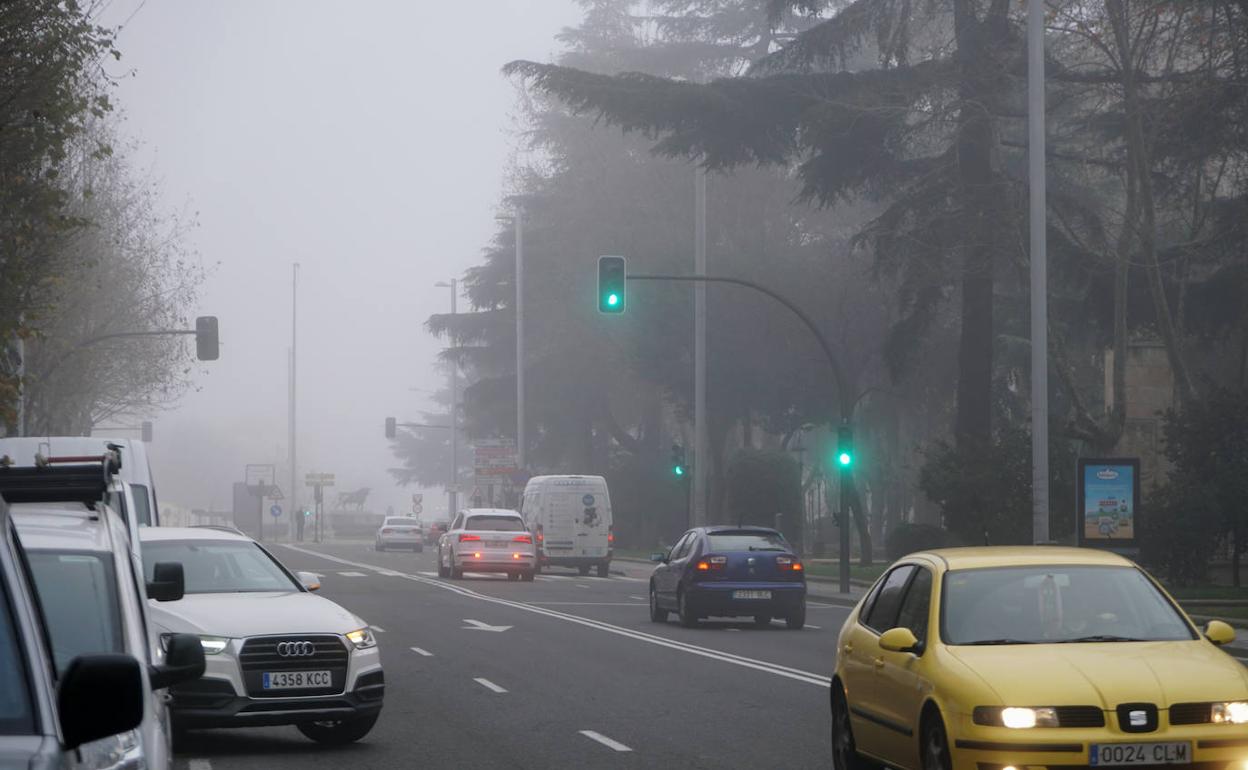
(422, 653)
(477, 625)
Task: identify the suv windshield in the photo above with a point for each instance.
(747, 541)
(78, 595)
(495, 523)
(1056, 604)
(16, 715)
(219, 567)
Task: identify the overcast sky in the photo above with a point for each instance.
(365, 140)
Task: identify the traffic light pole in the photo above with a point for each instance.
(838, 374)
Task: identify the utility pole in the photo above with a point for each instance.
(21, 381)
(519, 219)
(294, 379)
(452, 494)
(1039, 275)
(701, 459)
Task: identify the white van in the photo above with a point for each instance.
(140, 505)
(570, 518)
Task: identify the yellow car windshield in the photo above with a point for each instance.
(1056, 604)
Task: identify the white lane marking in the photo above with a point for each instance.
(477, 625)
(767, 667)
(732, 629)
(639, 598)
(199, 764)
(604, 740)
(428, 574)
(630, 579)
(556, 577)
(352, 574)
(581, 585)
(487, 684)
(378, 629)
(817, 628)
(422, 653)
(388, 573)
(593, 604)
(822, 606)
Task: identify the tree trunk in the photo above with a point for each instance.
(861, 522)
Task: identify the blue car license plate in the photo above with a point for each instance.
(751, 594)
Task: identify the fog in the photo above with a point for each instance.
(366, 141)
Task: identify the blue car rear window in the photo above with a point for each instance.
(747, 541)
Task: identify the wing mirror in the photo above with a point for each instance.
(184, 661)
(168, 583)
(658, 558)
(99, 696)
(1219, 633)
(901, 640)
(309, 580)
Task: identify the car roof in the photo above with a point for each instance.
(158, 534)
(572, 476)
(490, 512)
(981, 557)
(61, 526)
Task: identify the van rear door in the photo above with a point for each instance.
(592, 520)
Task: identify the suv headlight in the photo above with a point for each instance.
(1229, 713)
(1018, 718)
(213, 645)
(362, 638)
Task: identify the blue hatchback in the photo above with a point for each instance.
(729, 572)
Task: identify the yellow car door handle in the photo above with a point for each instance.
(849, 648)
(879, 663)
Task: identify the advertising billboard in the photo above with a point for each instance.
(1109, 502)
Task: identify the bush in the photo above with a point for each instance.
(908, 538)
(762, 484)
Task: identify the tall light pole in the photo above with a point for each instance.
(1039, 275)
(517, 221)
(453, 490)
(700, 451)
(295, 511)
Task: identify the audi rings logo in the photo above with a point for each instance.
(295, 649)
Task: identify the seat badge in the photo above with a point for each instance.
(1138, 718)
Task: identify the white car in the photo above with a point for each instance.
(276, 653)
(399, 532)
(487, 540)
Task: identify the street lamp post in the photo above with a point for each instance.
(517, 220)
(453, 490)
(1039, 275)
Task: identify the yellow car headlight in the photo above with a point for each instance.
(362, 638)
(1229, 713)
(1016, 717)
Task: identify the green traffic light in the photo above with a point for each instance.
(845, 459)
(613, 300)
(678, 470)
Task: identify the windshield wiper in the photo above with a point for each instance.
(1099, 638)
(986, 642)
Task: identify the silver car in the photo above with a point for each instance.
(399, 532)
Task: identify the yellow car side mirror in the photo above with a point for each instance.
(900, 640)
(1219, 633)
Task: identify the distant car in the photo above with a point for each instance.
(276, 653)
(487, 540)
(1031, 656)
(399, 532)
(729, 572)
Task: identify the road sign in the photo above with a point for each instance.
(494, 460)
(259, 475)
(319, 479)
(275, 511)
(418, 498)
(418, 508)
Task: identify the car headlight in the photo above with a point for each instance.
(362, 638)
(123, 749)
(1229, 713)
(213, 645)
(1015, 717)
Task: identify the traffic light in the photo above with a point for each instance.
(391, 428)
(612, 277)
(207, 343)
(679, 466)
(845, 447)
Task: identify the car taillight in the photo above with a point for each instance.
(611, 533)
(540, 537)
(467, 538)
(712, 563)
(789, 563)
(523, 539)
(386, 531)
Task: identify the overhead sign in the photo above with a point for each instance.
(319, 479)
(1109, 502)
(494, 460)
(275, 511)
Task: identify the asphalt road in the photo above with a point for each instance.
(567, 671)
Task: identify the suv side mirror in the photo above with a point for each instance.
(99, 696)
(309, 581)
(658, 557)
(184, 661)
(168, 583)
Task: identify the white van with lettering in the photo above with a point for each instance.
(570, 518)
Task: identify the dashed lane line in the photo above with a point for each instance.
(591, 604)
(604, 740)
(639, 598)
(767, 667)
(487, 684)
(378, 629)
(428, 574)
(422, 653)
(352, 574)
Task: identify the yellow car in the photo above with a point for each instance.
(1032, 657)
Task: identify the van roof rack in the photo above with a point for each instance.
(77, 479)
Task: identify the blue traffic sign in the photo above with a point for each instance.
(275, 511)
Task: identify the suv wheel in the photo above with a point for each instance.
(457, 573)
(657, 613)
(527, 576)
(583, 569)
(442, 570)
(339, 732)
